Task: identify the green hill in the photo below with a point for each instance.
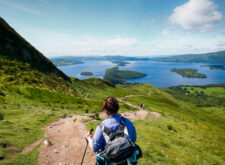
(188, 131)
(214, 57)
(22, 64)
(15, 47)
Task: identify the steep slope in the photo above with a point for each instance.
(23, 65)
(16, 47)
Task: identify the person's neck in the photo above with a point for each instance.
(110, 114)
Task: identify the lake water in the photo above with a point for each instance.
(158, 73)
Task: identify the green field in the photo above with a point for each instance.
(201, 96)
(213, 91)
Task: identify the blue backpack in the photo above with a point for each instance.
(119, 148)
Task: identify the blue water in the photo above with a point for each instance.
(158, 73)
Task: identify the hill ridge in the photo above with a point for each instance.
(14, 46)
(211, 57)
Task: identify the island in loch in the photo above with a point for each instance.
(216, 67)
(188, 72)
(117, 76)
(120, 63)
(86, 73)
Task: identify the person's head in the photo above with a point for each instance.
(110, 105)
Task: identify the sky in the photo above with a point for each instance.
(150, 28)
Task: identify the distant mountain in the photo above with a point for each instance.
(79, 59)
(15, 47)
(214, 57)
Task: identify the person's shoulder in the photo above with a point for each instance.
(102, 123)
(127, 120)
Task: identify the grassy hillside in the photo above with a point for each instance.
(15, 47)
(214, 57)
(184, 134)
(30, 98)
(201, 96)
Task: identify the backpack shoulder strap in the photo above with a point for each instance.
(122, 125)
(122, 128)
(106, 132)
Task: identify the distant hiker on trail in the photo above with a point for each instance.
(114, 139)
(142, 106)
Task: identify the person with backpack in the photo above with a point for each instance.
(114, 139)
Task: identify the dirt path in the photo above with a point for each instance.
(132, 96)
(68, 143)
(66, 138)
(141, 114)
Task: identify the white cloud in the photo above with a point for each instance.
(196, 14)
(165, 32)
(54, 43)
(122, 42)
(184, 44)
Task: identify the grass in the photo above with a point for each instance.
(191, 129)
(214, 91)
(179, 136)
(202, 96)
(25, 110)
(184, 134)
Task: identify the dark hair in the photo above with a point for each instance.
(111, 104)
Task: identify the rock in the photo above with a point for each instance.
(56, 151)
(47, 143)
(2, 93)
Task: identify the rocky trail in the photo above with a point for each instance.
(64, 142)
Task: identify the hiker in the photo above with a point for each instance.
(142, 106)
(114, 127)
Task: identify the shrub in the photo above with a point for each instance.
(97, 116)
(1, 116)
(171, 128)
